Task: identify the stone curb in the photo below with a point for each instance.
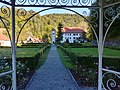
(72, 77)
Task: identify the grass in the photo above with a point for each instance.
(20, 52)
(27, 52)
(43, 59)
(65, 59)
(93, 52)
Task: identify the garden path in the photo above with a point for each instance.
(53, 75)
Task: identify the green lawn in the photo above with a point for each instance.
(27, 52)
(94, 52)
(65, 59)
(21, 52)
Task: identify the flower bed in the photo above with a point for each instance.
(86, 67)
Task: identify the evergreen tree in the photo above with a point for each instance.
(60, 26)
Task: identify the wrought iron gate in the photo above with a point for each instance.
(8, 8)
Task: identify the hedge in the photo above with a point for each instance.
(86, 68)
(90, 62)
(26, 66)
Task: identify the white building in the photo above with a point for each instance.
(53, 36)
(34, 40)
(4, 40)
(72, 35)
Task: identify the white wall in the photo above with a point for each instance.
(71, 37)
(5, 43)
(53, 36)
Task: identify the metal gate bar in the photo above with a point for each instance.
(13, 4)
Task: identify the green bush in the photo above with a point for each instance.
(26, 65)
(72, 45)
(111, 47)
(86, 67)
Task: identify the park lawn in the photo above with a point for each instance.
(27, 52)
(93, 52)
(65, 59)
(20, 52)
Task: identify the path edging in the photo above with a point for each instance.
(72, 77)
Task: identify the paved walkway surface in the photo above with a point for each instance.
(53, 75)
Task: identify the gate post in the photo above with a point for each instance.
(100, 45)
(13, 47)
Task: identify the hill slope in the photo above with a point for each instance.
(40, 26)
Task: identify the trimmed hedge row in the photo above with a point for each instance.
(33, 61)
(30, 62)
(76, 45)
(90, 62)
(32, 45)
(115, 48)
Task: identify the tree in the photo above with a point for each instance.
(45, 38)
(60, 26)
(110, 13)
(67, 40)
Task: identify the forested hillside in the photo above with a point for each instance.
(40, 26)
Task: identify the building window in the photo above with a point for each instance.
(80, 34)
(73, 37)
(70, 34)
(74, 34)
(70, 37)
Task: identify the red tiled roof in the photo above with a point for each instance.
(72, 30)
(4, 37)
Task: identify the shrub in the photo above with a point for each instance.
(25, 65)
(86, 67)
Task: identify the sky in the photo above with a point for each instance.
(57, 11)
(83, 11)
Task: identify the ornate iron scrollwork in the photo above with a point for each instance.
(85, 2)
(6, 82)
(5, 10)
(111, 81)
(56, 2)
(53, 2)
(21, 13)
(20, 2)
(64, 2)
(74, 2)
(4, 18)
(41, 2)
(110, 13)
(94, 15)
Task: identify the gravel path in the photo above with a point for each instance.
(53, 75)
